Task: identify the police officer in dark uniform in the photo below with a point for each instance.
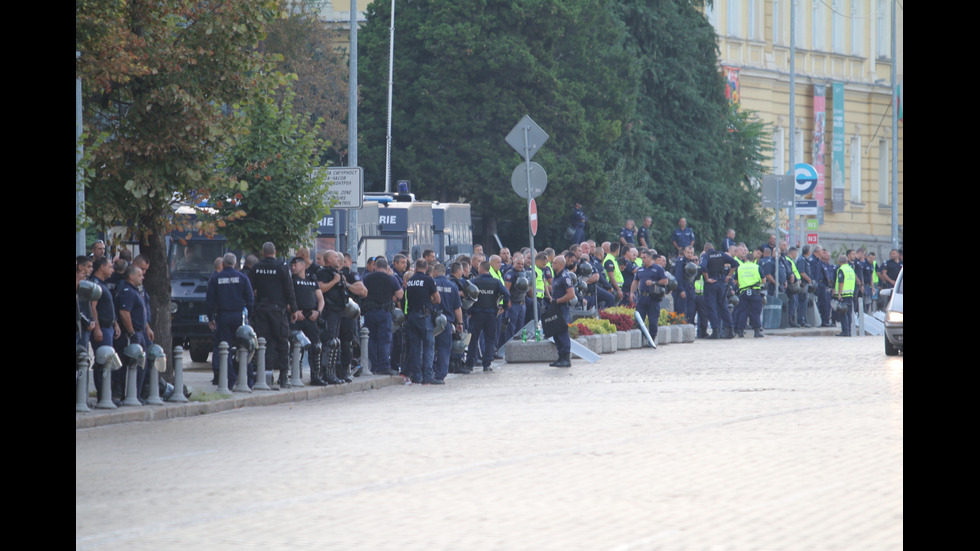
(483, 316)
(229, 293)
(383, 289)
(275, 303)
(421, 299)
(820, 269)
(643, 234)
(450, 305)
(105, 318)
(684, 294)
(333, 285)
(349, 324)
(562, 293)
(715, 290)
(682, 236)
(627, 235)
(133, 314)
(647, 290)
(516, 312)
(309, 303)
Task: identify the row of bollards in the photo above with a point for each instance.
(140, 364)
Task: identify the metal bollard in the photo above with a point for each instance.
(241, 385)
(81, 383)
(223, 368)
(365, 356)
(178, 394)
(295, 376)
(260, 382)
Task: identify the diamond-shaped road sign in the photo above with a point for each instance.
(535, 138)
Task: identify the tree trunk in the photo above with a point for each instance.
(157, 283)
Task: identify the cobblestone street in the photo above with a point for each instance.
(782, 443)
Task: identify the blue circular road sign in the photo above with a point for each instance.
(806, 178)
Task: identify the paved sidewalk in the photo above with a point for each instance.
(197, 377)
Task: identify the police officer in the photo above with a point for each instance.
(844, 288)
(821, 271)
(483, 316)
(229, 294)
(648, 291)
(451, 306)
(682, 236)
(333, 285)
(729, 241)
(715, 291)
(349, 323)
(133, 314)
(577, 221)
(104, 315)
(421, 299)
(627, 235)
(275, 303)
(383, 289)
(563, 293)
(643, 234)
(516, 312)
(309, 303)
(750, 295)
(611, 267)
(685, 292)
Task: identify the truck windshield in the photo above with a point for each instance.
(195, 256)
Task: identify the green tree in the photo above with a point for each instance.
(305, 42)
(274, 161)
(159, 80)
(466, 71)
(688, 151)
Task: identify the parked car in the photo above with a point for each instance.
(894, 317)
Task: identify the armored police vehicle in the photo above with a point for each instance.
(191, 260)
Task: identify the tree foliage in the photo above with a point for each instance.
(159, 81)
(304, 42)
(279, 196)
(467, 71)
(688, 150)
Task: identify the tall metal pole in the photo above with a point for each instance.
(792, 121)
(352, 127)
(391, 78)
(530, 230)
(894, 129)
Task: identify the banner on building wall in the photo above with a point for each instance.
(819, 134)
(838, 155)
(732, 91)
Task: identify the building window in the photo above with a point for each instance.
(858, 23)
(837, 25)
(711, 15)
(884, 173)
(856, 169)
(800, 30)
(798, 148)
(819, 26)
(778, 151)
(733, 15)
(778, 22)
(883, 28)
(755, 20)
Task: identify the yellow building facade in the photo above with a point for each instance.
(843, 86)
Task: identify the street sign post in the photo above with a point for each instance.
(527, 138)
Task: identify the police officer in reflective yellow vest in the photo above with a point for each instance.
(844, 291)
(749, 295)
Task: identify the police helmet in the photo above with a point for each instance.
(733, 300)
(397, 319)
(89, 291)
(521, 285)
(297, 336)
(657, 291)
(574, 278)
(106, 356)
(440, 325)
(133, 353)
(793, 288)
(156, 358)
(671, 282)
(245, 338)
(690, 272)
(471, 291)
(459, 345)
(573, 302)
(840, 306)
(352, 310)
(582, 286)
(584, 269)
(467, 303)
